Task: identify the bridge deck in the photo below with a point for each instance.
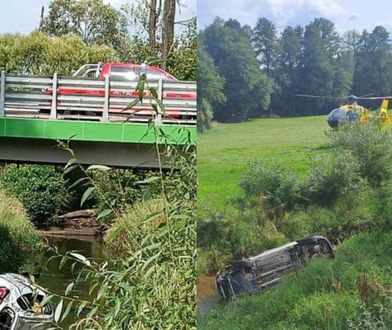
(37, 111)
(95, 131)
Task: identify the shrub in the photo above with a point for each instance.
(41, 189)
(371, 148)
(330, 177)
(237, 237)
(278, 189)
(18, 238)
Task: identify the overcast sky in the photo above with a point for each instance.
(23, 15)
(346, 14)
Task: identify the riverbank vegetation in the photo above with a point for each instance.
(20, 243)
(152, 268)
(41, 189)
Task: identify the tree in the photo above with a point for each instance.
(286, 75)
(155, 11)
(317, 67)
(182, 60)
(246, 88)
(169, 13)
(373, 63)
(209, 86)
(39, 54)
(93, 20)
(265, 44)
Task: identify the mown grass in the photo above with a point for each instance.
(326, 294)
(223, 152)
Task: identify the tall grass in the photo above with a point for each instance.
(19, 241)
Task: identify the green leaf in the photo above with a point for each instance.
(150, 260)
(76, 183)
(69, 288)
(81, 307)
(87, 195)
(131, 105)
(58, 311)
(104, 213)
(148, 180)
(99, 167)
(70, 162)
(153, 93)
(81, 258)
(161, 106)
(92, 312)
(46, 299)
(67, 310)
(69, 169)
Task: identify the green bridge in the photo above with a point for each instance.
(33, 120)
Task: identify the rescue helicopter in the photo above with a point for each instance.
(353, 112)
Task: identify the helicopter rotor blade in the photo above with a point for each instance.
(375, 98)
(366, 95)
(321, 97)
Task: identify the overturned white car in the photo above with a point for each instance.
(256, 273)
(21, 305)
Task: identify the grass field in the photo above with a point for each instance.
(223, 152)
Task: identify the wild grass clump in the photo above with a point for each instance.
(135, 224)
(18, 238)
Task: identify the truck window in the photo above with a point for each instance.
(123, 73)
(154, 75)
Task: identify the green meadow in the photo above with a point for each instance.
(224, 151)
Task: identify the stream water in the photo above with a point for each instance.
(206, 295)
(56, 280)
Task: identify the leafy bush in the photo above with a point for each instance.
(371, 148)
(237, 238)
(38, 54)
(351, 214)
(277, 188)
(331, 177)
(41, 189)
(18, 238)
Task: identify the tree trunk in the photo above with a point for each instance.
(152, 22)
(169, 12)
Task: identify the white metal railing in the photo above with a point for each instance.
(60, 97)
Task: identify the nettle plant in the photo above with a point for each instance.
(150, 281)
